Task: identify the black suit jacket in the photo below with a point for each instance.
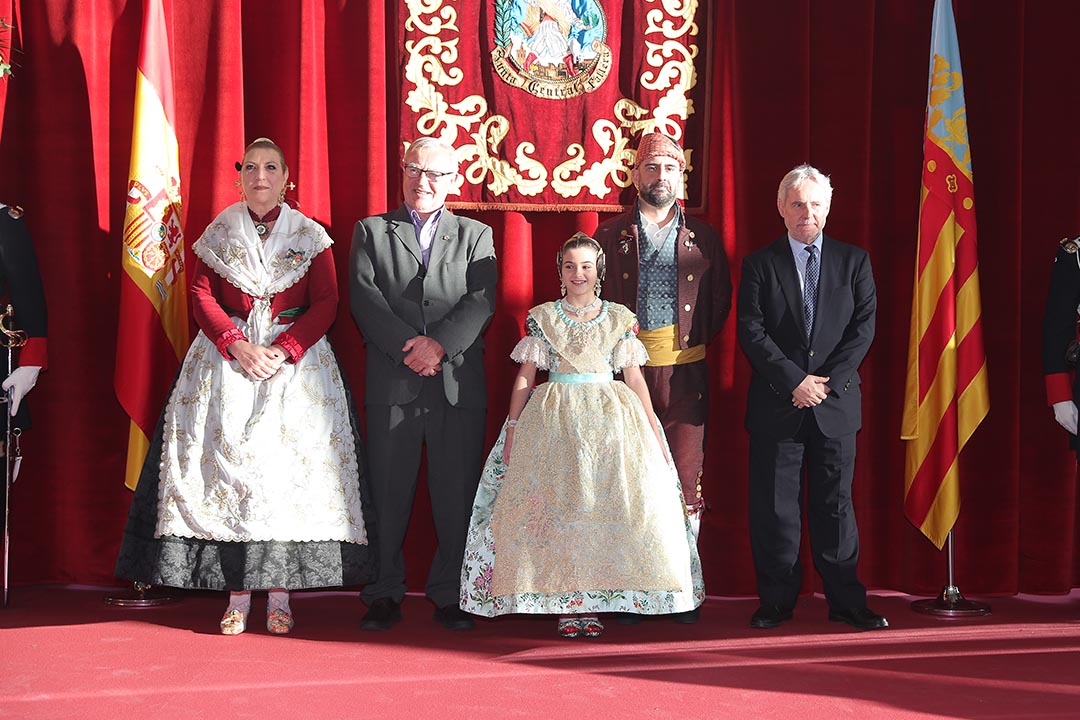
(772, 333)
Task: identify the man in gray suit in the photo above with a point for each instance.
(422, 290)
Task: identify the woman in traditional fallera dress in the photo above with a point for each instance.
(254, 477)
(579, 509)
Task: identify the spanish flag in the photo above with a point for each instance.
(153, 331)
(947, 393)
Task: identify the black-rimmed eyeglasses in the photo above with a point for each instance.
(415, 171)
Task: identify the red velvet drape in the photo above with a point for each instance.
(841, 85)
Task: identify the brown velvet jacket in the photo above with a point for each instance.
(703, 270)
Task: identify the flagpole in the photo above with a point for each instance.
(153, 286)
(152, 333)
(951, 602)
(140, 596)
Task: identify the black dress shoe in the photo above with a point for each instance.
(687, 618)
(861, 618)
(767, 617)
(383, 614)
(452, 617)
(628, 618)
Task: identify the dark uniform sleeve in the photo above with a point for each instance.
(22, 286)
(1059, 320)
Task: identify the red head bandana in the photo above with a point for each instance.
(657, 144)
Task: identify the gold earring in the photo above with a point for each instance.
(288, 186)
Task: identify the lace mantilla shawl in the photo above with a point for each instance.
(261, 268)
(231, 248)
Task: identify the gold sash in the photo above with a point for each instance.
(663, 346)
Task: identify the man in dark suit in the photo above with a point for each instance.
(422, 291)
(806, 309)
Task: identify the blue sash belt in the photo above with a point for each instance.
(578, 378)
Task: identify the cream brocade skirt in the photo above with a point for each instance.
(252, 461)
(588, 517)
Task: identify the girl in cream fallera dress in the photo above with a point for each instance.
(579, 509)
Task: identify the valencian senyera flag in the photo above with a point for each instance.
(153, 331)
(545, 100)
(947, 393)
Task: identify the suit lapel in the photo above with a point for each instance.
(788, 276)
(829, 279)
(446, 233)
(402, 230)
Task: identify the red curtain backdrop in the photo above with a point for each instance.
(841, 85)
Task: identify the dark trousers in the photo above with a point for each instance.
(680, 397)
(776, 476)
(455, 453)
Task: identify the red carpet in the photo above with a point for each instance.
(65, 654)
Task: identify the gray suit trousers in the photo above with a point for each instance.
(454, 438)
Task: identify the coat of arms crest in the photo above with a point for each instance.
(551, 48)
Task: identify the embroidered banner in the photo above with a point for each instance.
(545, 99)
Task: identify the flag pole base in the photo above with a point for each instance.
(950, 603)
(141, 596)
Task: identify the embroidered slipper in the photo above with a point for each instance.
(233, 622)
(569, 627)
(591, 626)
(279, 622)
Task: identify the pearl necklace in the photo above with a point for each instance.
(580, 311)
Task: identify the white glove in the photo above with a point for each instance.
(22, 380)
(1065, 414)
